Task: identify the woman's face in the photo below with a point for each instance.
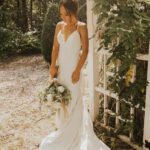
(65, 16)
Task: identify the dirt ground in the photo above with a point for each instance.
(22, 123)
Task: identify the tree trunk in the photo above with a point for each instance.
(4, 21)
(18, 20)
(2, 15)
(31, 7)
(24, 16)
(44, 5)
(1, 2)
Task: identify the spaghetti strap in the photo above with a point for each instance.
(77, 26)
(62, 29)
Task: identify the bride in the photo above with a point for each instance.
(75, 131)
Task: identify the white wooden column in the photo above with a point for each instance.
(147, 106)
(92, 63)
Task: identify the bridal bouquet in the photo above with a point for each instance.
(56, 93)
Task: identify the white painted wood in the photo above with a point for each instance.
(92, 67)
(117, 101)
(106, 92)
(108, 73)
(143, 57)
(105, 88)
(132, 110)
(117, 111)
(127, 140)
(147, 106)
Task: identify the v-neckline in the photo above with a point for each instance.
(65, 41)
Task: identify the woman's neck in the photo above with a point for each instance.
(73, 22)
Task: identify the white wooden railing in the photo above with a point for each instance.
(95, 89)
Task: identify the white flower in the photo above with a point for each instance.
(49, 97)
(138, 105)
(61, 89)
(55, 79)
(57, 105)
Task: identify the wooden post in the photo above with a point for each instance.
(147, 107)
(118, 63)
(105, 88)
(92, 63)
(132, 110)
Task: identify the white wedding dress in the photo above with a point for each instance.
(75, 130)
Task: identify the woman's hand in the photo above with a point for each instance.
(75, 76)
(53, 71)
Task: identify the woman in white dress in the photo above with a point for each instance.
(75, 131)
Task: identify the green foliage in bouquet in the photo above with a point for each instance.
(56, 93)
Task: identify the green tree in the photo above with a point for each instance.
(51, 18)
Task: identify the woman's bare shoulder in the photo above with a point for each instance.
(82, 26)
(59, 25)
(80, 23)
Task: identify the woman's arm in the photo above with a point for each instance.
(85, 44)
(55, 51)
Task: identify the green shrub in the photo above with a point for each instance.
(8, 42)
(51, 18)
(15, 42)
(29, 43)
